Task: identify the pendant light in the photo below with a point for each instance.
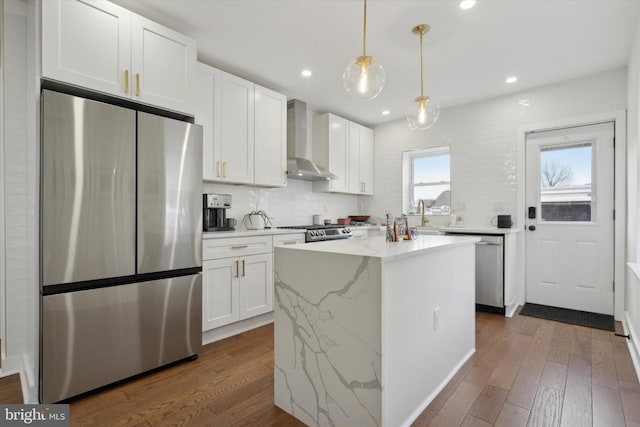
(364, 77)
(423, 112)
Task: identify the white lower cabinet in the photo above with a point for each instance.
(219, 293)
(237, 280)
(255, 285)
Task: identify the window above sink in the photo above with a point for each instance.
(426, 175)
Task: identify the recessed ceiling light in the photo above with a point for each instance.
(467, 4)
(511, 79)
(386, 112)
(306, 73)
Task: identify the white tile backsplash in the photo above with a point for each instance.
(294, 204)
(483, 137)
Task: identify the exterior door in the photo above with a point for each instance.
(569, 195)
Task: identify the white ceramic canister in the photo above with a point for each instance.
(318, 219)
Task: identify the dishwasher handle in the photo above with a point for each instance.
(489, 243)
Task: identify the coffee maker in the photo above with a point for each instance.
(214, 213)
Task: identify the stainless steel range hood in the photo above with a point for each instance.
(299, 163)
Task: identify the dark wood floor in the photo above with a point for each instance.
(10, 390)
(526, 371)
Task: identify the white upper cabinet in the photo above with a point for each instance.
(346, 149)
(270, 137)
(237, 127)
(366, 160)
(331, 151)
(245, 130)
(164, 66)
(86, 43)
(100, 46)
(208, 101)
(360, 159)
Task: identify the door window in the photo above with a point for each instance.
(566, 175)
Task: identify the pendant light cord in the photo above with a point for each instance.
(364, 38)
(421, 67)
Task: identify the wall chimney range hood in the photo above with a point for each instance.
(299, 163)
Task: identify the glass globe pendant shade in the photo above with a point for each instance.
(363, 78)
(422, 113)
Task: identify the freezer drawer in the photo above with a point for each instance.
(95, 337)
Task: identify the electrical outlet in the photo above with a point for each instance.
(436, 318)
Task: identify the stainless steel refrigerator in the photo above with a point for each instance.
(120, 233)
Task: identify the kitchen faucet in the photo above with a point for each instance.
(425, 221)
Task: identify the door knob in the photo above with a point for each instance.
(532, 228)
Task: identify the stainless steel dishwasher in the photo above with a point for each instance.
(490, 274)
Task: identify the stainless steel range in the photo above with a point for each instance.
(317, 233)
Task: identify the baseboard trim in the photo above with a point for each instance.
(632, 344)
(236, 328)
(415, 414)
(20, 365)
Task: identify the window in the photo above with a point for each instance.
(565, 182)
(426, 176)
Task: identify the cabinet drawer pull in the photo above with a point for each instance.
(243, 269)
(218, 169)
(126, 81)
(224, 169)
(289, 242)
(137, 84)
(240, 247)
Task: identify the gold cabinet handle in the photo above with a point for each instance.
(237, 268)
(289, 242)
(240, 247)
(137, 84)
(224, 169)
(126, 81)
(244, 273)
(218, 169)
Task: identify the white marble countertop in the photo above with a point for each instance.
(378, 247)
(247, 233)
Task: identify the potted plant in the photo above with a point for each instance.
(256, 220)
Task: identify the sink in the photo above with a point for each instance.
(428, 230)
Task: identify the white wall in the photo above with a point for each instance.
(483, 137)
(632, 291)
(633, 153)
(294, 204)
(20, 171)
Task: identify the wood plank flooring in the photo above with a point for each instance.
(10, 389)
(526, 372)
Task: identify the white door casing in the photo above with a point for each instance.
(570, 261)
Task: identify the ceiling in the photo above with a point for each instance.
(468, 53)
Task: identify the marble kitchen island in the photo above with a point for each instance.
(367, 332)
